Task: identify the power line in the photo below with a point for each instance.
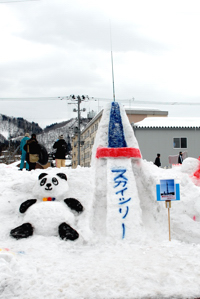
(167, 103)
(98, 99)
(40, 99)
(146, 102)
(17, 1)
(30, 99)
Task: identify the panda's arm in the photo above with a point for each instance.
(74, 204)
(26, 204)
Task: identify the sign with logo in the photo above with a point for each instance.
(167, 190)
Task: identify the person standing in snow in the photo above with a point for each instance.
(60, 145)
(32, 149)
(157, 161)
(23, 156)
(180, 158)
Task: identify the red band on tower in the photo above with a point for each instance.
(126, 152)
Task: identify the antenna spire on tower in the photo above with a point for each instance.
(113, 82)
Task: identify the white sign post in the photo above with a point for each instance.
(168, 205)
(167, 191)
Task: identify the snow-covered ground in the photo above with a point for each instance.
(48, 267)
(123, 250)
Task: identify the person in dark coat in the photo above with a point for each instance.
(157, 161)
(180, 158)
(61, 146)
(32, 147)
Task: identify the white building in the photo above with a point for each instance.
(168, 136)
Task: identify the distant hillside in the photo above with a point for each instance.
(13, 129)
(57, 125)
(51, 133)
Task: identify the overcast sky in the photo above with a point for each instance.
(55, 48)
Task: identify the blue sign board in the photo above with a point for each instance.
(167, 190)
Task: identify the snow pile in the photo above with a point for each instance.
(105, 261)
(52, 268)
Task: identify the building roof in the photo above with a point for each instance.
(168, 122)
(148, 111)
(135, 111)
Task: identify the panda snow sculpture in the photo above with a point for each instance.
(52, 215)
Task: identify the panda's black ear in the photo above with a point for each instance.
(42, 175)
(62, 176)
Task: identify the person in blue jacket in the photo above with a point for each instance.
(23, 156)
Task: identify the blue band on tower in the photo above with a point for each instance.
(116, 137)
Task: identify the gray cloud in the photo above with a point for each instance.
(48, 76)
(70, 27)
(63, 47)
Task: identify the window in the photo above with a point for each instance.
(180, 142)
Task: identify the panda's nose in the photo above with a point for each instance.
(48, 185)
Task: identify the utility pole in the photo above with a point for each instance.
(9, 146)
(78, 100)
(79, 129)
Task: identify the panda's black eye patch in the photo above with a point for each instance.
(55, 181)
(43, 181)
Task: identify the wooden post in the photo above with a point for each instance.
(168, 205)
